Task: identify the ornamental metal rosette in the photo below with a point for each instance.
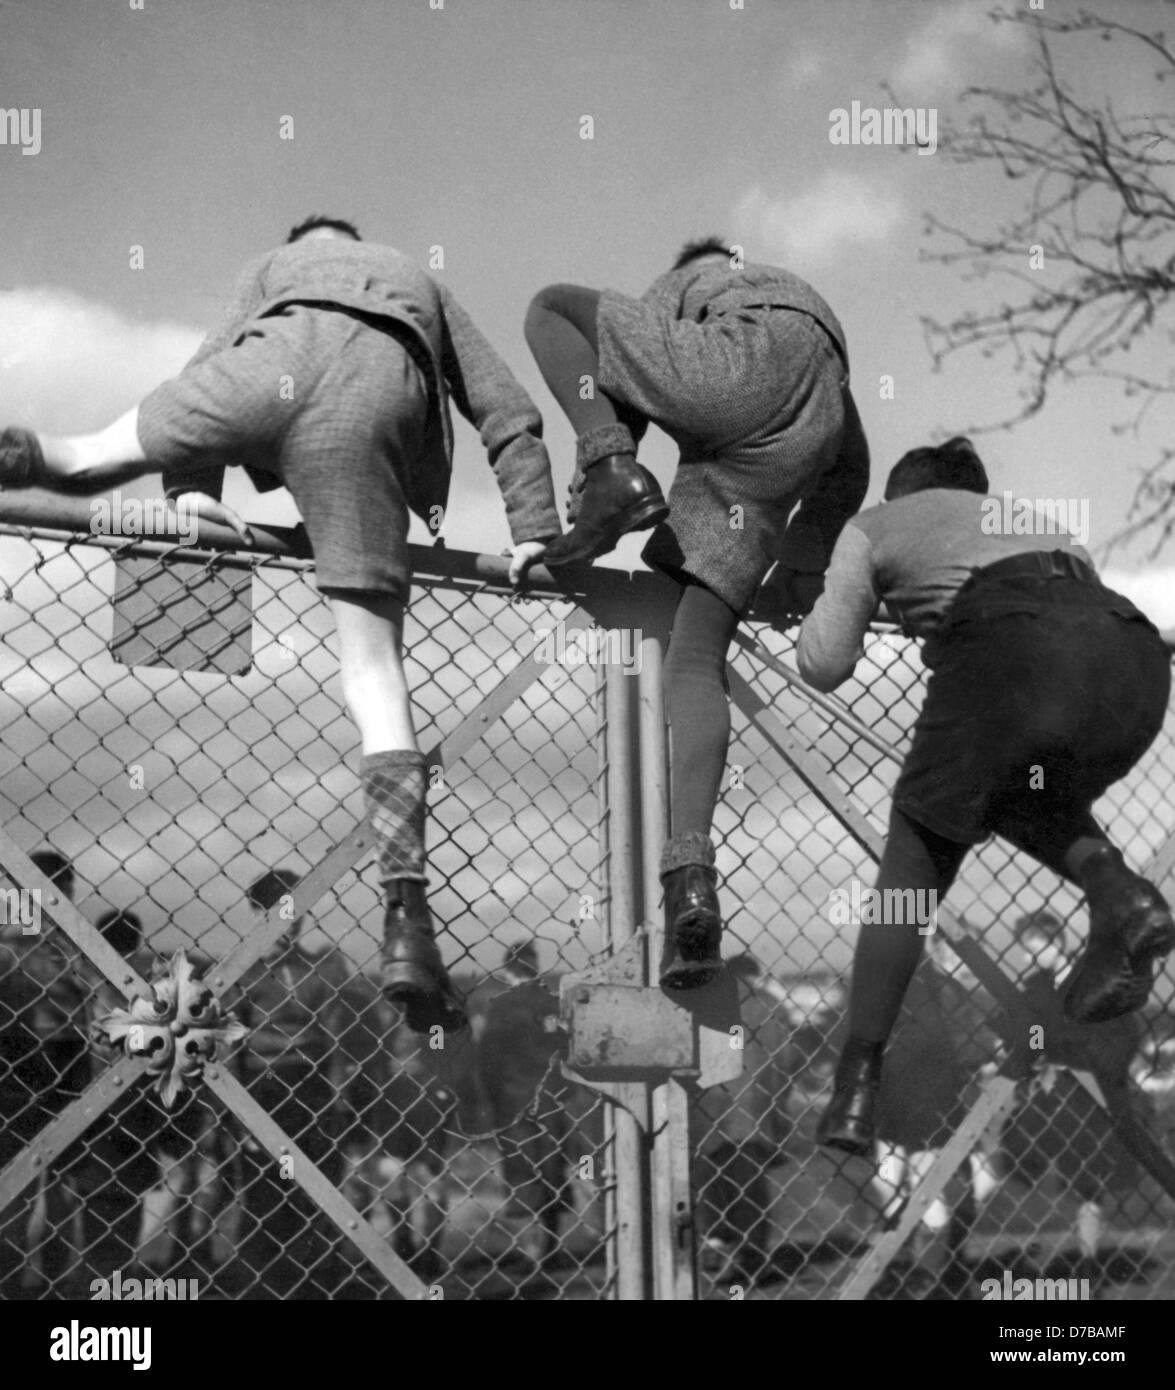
(177, 1032)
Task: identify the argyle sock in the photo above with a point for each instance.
(393, 786)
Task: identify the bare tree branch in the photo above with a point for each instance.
(1089, 263)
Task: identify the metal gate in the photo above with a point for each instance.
(174, 729)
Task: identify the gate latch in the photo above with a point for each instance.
(620, 1029)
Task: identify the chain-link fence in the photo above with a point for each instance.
(1029, 1177)
(333, 1153)
(169, 793)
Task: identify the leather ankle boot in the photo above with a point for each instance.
(847, 1124)
(693, 928)
(1130, 927)
(412, 973)
(619, 495)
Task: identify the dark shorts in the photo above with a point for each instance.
(1052, 680)
(332, 406)
(754, 401)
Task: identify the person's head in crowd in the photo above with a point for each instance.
(57, 868)
(1041, 936)
(274, 888)
(122, 929)
(954, 464)
(521, 961)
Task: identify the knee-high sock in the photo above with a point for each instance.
(560, 331)
(393, 786)
(698, 706)
(888, 953)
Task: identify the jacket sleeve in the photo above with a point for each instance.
(831, 639)
(809, 540)
(488, 395)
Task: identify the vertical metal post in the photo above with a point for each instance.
(620, 852)
(673, 1225)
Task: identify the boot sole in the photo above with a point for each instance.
(419, 995)
(1156, 940)
(641, 516)
(845, 1143)
(690, 976)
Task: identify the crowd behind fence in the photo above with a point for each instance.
(169, 793)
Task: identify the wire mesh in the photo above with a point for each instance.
(1048, 1190)
(169, 792)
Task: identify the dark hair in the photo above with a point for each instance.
(122, 929)
(56, 867)
(704, 246)
(312, 224)
(1042, 922)
(953, 464)
(268, 890)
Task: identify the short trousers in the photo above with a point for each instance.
(335, 407)
(1033, 669)
(755, 401)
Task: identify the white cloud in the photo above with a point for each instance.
(941, 52)
(69, 364)
(1153, 590)
(810, 228)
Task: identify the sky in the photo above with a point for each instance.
(460, 127)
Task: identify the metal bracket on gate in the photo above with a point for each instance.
(621, 1030)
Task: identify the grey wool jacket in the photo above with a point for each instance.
(374, 280)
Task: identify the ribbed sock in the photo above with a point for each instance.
(602, 442)
(681, 850)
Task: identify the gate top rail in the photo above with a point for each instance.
(38, 513)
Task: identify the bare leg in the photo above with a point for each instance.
(91, 462)
(371, 661)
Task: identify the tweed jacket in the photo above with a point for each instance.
(373, 280)
(707, 288)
